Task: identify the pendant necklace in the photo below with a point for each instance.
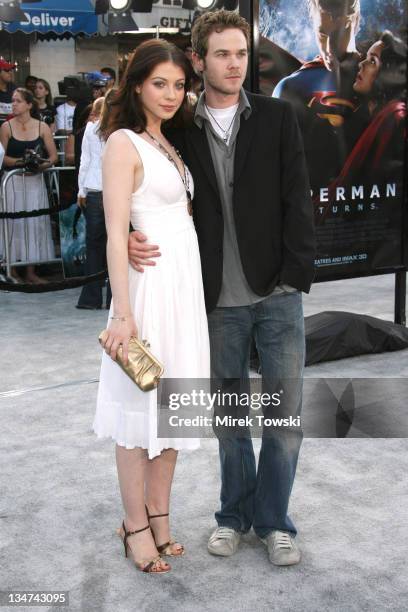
(227, 131)
(23, 124)
(185, 179)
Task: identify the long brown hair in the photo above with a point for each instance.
(126, 109)
(48, 97)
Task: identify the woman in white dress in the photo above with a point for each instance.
(146, 183)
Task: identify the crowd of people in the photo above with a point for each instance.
(30, 123)
(58, 116)
(67, 132)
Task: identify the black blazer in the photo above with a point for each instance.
(271, 200)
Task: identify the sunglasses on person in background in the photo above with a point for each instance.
(6, 69)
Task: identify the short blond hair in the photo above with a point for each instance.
(215, 21)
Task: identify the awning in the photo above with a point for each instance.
(60, 17)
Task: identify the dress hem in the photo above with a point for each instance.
(151, 454)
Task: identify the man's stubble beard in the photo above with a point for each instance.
(215, 87)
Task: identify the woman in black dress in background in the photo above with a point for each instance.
(30, 239)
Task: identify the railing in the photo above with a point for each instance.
(60, 142)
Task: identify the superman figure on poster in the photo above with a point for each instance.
(351, 105)
(322, 89)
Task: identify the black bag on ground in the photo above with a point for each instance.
(335, 335)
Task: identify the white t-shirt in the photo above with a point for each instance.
(65, 115)
(222, 116)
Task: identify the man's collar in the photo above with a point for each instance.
(200, 114)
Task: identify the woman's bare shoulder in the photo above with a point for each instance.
(119, 138)
(45, 129)
(5, 127)
(121, 147)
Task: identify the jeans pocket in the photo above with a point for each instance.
(287, 288)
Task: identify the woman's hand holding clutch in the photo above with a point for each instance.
(120, 329)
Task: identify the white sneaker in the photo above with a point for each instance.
(282, 548)
(224, 541)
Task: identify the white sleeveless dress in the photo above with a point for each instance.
(168, 307)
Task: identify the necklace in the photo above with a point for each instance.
(227, 131)
(23, 124)
(185, 179)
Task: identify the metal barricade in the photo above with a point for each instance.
(54, 172)
(61, 142)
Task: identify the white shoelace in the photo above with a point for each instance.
(282, 540)
(222, 533)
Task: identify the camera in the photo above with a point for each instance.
(76, 88)
(79, 87)
(32, 160)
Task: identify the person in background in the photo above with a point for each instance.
(30, 83)
(98, 89)
(46, 108)
(98, 84)
(30, 238)
(73, 150)
(6, 88)
(196, 86)
(104, 118)
(64, 117)
(90, 200)
(74, 141)
(110, 74)
(188, 52)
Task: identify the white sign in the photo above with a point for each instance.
(165, 14)
(45, 19)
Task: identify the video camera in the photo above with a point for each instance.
(78, 87)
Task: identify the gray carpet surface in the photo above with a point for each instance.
(60, 500)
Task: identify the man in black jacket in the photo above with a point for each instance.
(253, 216)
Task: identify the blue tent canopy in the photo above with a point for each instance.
(57, 16)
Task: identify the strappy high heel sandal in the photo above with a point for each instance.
(150, 567)
(166, 548)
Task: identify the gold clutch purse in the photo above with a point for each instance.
(142, 367)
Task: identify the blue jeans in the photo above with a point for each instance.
(250, 497)
(91, 294)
